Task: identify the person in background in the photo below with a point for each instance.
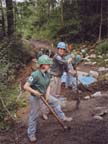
(40, 53)
(84, 53)
(69, 48)
(67, 76)
(70, 77)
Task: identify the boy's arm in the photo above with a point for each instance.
(47, 92)
(63, 61)
(71, 59)
(60, 59)
(71, 70)
(29, 89)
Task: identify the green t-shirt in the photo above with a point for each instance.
(39, 81)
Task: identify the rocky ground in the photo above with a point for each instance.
(89, 125)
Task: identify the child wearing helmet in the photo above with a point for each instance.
(70, 77)
(37, 84)
(58, 67)
(40, 53)
(75, 63)
(77, 60)
(84, 52)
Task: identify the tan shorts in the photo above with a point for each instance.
(55, 86)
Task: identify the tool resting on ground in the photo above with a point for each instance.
(54, 114)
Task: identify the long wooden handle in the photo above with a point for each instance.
(53, 112)
(78, 96)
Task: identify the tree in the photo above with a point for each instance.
(10, 17)
(2, 19)
(49, 8)
(101, 19)
(62, 17)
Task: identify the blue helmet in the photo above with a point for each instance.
(61, 45)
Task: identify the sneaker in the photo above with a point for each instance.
(45, 117)
(32, 138)
(57, 96)
(68, 119)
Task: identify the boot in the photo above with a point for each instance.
(32, 138)
(68, 119)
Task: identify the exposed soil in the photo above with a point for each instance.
(84, 129)
(85, 91)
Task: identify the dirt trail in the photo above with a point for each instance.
(84, 129)
(37, 44)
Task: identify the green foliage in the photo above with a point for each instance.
(8, 95)
(42, 20)
(19, 51)
(15, 53)
(34, 21)
(102, 48)
(102, 54)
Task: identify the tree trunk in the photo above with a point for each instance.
(62, 17)
(3, 20)
(15, 14)
(49, 8)
(101, 19)
(10, 17)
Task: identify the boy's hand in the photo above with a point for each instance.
(38, 94)
(74, 73)
(69, 60)
(46, 97)
(29, 89)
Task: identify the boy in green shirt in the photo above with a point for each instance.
(37, 85)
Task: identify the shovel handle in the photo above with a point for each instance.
(53, 112)
(78, 97)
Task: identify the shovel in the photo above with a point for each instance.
(65, 127)
(78, 97)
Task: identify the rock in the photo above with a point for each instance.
(62, 102)
(106, 60)
(104, 112)
(98, 117)
(87, 97)
(106, 75)
(99, 56)
(102, 69)
(88, 63)
(93, 56)
(82, 73)
(100, 111)
(94, 74)
(94, 63)
(96, 94)
(99, 108)
(86, 59)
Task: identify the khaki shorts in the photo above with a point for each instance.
(55, 86)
